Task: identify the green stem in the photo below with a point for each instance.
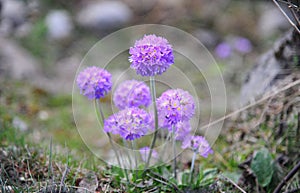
(101, 119)
(153, 96)
(128, 154)
(135, 156)
(174, 152)
(167, 137)
(192, 167)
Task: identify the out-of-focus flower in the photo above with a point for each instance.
(198, 144)
(174, 106)
(223, 50)
(94, 82)
(132, 93)
(182, 130)
(152, 55)
(242, 45)
(144, 151)
(130, 123)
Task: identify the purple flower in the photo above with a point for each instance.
(151, 55)
(130, 123)
(198, 144)
(132, 93)
(94, 82)
(182, 129)
(243, 45)
(174, 106)
(144, 151)
(223, 50)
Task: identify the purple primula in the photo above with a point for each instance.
(182, 130)
(144, 151)
(223, 50)
(198, 144)
(152, 55)
(242, 45)
(132, 93)
(174, 106)
(130, 123)
(94, 82)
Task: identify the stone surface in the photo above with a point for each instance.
(105, 15)
(13, 14)
(271, 21)
(141, 6)
(206, 37)
(59, 24)
(272, 67)
(15, 61)
(19, 124)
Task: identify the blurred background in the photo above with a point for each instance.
(43, 42)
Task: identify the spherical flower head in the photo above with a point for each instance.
(152, 55)
(223, 50)
(174, 106)
(144, 151)
(243, 45)
(94, 82)
(182, 129)
(130, 123)
(198, 144)
(132, 93)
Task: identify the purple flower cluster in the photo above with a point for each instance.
(198, 144)
(182, 129)
(240, 44)
(132, 93)
(130, 123)
(151, 55)
(243, 45)
(94, 82)
(144, 151)
(223, 50)
(174, 106)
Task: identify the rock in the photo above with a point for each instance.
(272, 67)
(271, 21)
(16, 62)
(19, 124)
(88, 183)
(13, 14)
(59, 25)
(141, 6)
(105, 15)
(65, 72)
(206, 37)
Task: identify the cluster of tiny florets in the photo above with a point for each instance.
(132, 93)
(151, 55)
(182, 130)
(198, 144)
(94, 82)
(130, 123)
(174, 106)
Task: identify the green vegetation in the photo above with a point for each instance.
(28, 164)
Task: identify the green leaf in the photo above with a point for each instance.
(234, 176)
(262, 166)
(207, 176)
(185, 178)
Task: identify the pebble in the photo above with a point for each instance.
(20, 124)
(105, 15)
(59, 24)
(13, 14)
(43, 115)
(271, 22)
